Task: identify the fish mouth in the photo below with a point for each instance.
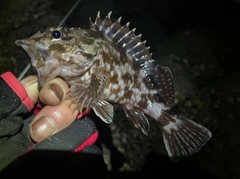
(36, 58)
(41, 60)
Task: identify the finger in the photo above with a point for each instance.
(54, 92)
(52, 119)
(31, 85)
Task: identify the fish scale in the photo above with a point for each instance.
(109, 63)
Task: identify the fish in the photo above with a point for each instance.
(109, 64)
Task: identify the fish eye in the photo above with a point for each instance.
(56, 34)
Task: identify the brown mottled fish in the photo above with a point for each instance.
(108, 63)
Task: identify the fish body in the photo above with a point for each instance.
(109, 63)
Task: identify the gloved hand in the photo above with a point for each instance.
(72, 150)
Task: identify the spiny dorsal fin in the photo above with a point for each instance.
(123, 37)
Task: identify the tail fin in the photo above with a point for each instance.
(182, 137)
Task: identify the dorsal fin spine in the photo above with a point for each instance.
(126, 38)
(131, 43)
(119, 19)
(119, 33)
(98, 20)
(139, 46)
(113, 29)
(91, 23)
(109, 15)
(98, 14)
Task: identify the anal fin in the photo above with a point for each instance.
(104, 110)
(138, 118)
(182, 137)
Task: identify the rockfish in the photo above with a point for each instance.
(109, 63)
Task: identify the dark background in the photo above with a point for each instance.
(199, 40)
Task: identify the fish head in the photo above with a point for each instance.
(62, 52)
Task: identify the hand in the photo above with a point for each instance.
(58, 112)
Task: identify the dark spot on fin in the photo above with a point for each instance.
(104, 110)
(86, 93)
(182, 137)
(138, 118)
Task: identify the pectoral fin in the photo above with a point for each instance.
(104, 110)
(86, 93)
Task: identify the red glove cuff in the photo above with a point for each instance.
(18, 88)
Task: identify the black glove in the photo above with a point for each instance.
(70, 151)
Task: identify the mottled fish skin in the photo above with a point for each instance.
(109, 63)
